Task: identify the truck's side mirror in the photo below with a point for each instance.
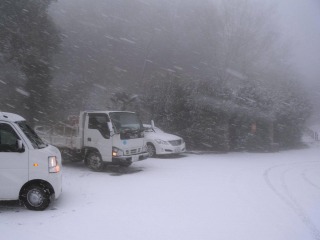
(152, 124)
(110, 128)
(20, 146)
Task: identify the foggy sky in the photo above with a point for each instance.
(301, 20)
(301, 23)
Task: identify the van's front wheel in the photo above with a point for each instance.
(94, 161)
(36, 198)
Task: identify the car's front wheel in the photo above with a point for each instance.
(36, 197)
(151, 150)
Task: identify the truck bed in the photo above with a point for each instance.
(60, 135)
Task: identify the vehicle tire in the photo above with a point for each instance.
(151, 150)
(94, 161)
(36, 197)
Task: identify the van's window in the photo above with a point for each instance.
(35, 140)
(99, 121)
(8, 138)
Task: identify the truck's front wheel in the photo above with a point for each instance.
(94, 161)
(36, 197)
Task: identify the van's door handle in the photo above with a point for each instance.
(89, 139)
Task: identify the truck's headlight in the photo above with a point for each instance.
(53, 164)
(116, 152)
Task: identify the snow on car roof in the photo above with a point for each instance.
(149, 128)
(10, 117)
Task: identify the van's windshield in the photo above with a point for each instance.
(35, 140)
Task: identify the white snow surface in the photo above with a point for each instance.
(234, 196)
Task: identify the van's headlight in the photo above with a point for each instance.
(53, 164)
(116, 152)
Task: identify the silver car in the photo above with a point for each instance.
(161, 143)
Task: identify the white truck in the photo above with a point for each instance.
(99, 138)
(30, 170)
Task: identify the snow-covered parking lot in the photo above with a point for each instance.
(271, 196)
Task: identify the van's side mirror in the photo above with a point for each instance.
(20, 146)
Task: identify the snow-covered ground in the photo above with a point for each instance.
(235, 196)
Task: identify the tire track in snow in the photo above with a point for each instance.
(287, 197)
(310, 182)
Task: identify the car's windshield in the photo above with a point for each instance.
(35, 140)
(124, 121)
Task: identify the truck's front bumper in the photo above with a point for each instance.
(123, 160)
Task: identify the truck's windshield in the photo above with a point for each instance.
(35, 140)
(125, 121)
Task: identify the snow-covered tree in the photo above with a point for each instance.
(29, 38)
(238, 99)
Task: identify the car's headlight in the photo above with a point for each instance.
(53, 164)
(116, 152)
(159, 141)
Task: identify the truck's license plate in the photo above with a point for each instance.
(135, 158)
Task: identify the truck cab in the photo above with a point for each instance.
(114, 137)
(30, 170)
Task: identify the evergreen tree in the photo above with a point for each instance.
(29, 38)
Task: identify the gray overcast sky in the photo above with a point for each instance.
(301, 20)
(301, 25)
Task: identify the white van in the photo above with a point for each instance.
(30, 170)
